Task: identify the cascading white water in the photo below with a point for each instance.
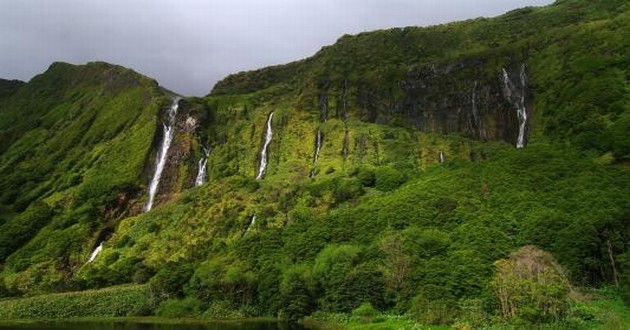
(441, 157)
(522, 113)
(94, 253)
(169, 130)
(263, 153)
(201, 172)
(251, 223)
(517, 98)
(318, 145)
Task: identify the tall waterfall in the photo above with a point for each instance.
(318, 144)
(169, 132)
(263, 152)
(96, 251)
(201, 172)
(517, 98)
(441, 157)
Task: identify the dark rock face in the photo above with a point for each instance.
(461, 98)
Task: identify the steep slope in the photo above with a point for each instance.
(8, 87)
(75, 143)
(449, 78)
(329, 226)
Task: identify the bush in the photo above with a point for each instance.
(346, 189)
(366, 312)
(170, 279)
(125, 300)
(387, 178)
(531, 285)
(179, 308)
(20, 229)
(432, 311)
(365, 174)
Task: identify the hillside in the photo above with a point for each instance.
(406, 168)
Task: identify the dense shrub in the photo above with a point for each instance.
(532, 286)
(174, 308)
(387, 178)
(127, 300)
(20, 229)
(169, 281)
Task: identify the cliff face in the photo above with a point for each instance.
(75, 141)
(449, 79)
(450, 99)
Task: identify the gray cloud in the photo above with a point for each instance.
(187, 45)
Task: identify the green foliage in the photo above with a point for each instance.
(346, 189)
(296, 289)
(170, 279)
(20, 229)
(218, 281)
(366, 312)
(111, 302)
(387, 178)
(530, 285)
(175, 308)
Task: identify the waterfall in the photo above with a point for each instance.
(517, 98)
(251, 223)
(169, 132)
(96, 251)
(441, 157)
(522, 112)
(263, 152)
(318, 145)
(201, 172)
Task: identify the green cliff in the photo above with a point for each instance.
(411, 169)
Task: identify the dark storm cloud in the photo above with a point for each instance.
(187, 45)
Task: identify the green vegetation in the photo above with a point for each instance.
(111, 302)
(385, 235)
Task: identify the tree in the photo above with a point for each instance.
(531, 285)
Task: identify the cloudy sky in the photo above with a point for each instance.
(187, 45)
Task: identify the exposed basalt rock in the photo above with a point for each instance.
(180, 170)
(448, 99)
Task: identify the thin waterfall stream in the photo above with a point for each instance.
(517, 98)
(263, 153)
(96, 251)
(201, 172)
(318, 144)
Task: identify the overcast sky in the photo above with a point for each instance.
(188, 45)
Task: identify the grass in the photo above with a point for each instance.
(109, 302)
(331, 321)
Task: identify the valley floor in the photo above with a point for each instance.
(604, 309)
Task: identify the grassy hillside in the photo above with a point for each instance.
(418, 203)
(75, 143)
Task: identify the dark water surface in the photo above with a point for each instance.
(148, 325)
